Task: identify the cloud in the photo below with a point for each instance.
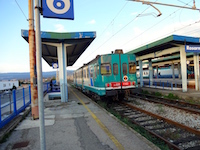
(59, 28)
(137, 30)
(5, 67)
(134, 13)
(92, 22)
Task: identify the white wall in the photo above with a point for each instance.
(5, 85)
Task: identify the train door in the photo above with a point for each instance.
(124, 70)
(128, 71)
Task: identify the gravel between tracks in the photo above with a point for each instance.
(181, 116)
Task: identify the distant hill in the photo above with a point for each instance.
(26, 75)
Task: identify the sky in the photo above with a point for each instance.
(119, 24)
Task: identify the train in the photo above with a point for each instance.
(166, 72)
(109, 75)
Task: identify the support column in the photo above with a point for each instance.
(141, 73)
(157, 74)
(183, 68)
(62, 72)
(150, 72)
(196, 71)
(173, 74)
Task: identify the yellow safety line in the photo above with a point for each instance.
(115, 141)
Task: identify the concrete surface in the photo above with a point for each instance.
(70, 126)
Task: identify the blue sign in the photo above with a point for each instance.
(63, 9)
(55, 65)
(192, 48)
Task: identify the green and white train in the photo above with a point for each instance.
(108, 75)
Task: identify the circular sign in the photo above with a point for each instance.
(58, 6)
(125, 78)
(55, 66)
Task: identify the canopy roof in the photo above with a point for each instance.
(165, 43)
(76, 43)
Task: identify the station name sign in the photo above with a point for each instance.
(192, 48)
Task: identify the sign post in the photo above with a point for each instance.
(62, 9)
(195, 49)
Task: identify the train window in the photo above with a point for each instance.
(87, 72)
(84, 73)
(115, 69)
(124, 66)
(91, 71)
(105, 69)
(97, 69)
(132, 67)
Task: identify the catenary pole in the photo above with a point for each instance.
(32, 57)
(39, 74)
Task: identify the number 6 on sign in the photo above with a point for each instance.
(58, 6)
(58, 9)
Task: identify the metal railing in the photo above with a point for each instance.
(16, 101)
(163, 85)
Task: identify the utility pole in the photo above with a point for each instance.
(32, 57)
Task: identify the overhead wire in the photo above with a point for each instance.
(186, 4)
(176, 30)
(113, 20)
(21, 10)
(119, 30)
(154, 25)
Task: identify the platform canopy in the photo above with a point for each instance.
(168, 46)
(76, 42)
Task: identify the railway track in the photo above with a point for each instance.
(175, 135)
(193, 108)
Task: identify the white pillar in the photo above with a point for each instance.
(183, 68)
(173, 74)
(150, 72)
(62, 63)
(141, 73)
(196, 71)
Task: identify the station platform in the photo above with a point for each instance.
(166, 86)
(79, 124)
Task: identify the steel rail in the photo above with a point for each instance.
(174, 104)
(191, 130)
(173, 101)
(171, 145)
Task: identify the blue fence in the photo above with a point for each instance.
(160, 84)
(16, 101)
